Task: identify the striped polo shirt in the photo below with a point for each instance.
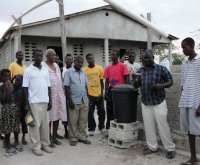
(190, 81)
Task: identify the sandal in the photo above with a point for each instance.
(11, 151)
(189, 162)
(170, 154)
(148, 151)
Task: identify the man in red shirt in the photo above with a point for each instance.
(115, 74)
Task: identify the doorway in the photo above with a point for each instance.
(58, 50)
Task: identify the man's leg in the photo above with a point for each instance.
(72, 123)
(160, 112)
(91, 120)
(23, 125)
(101, 113)
(149, 126)
(82, 122)
(34, 132)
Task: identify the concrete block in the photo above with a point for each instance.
(124, 126)
(121, 135)
(121, 143)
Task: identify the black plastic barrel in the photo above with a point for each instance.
(124, 103)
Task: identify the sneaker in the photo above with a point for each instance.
(91, 133)
(47, 149)
(170, 154)
(38, 152)
(148, 151)
(55, 141)
(59, 136)
(72, 143)
(103, 130)
(86, 141)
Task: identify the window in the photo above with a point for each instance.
(109, 52)
(29, 47)
(78, 50)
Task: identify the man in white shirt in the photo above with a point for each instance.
(37, 92)
(131, 64)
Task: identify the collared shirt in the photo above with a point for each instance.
(190, 80)
(149, 77)
(77, 81)
(16, 69)
(37, 80)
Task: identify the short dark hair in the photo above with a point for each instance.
(149, 51)
(89, 54)
(3, 71)
(189, 41)
(117, 52)
(37, 50)
(68, 55)
(78, 57)
(18, 52)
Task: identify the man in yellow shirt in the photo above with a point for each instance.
(17, 67)
(94, 74)
(17, 70)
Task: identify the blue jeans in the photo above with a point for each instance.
(99, 103)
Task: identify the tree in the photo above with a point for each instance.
(177, 59)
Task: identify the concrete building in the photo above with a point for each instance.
(96, 31)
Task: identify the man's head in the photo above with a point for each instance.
(148, 58)
(90, 59)
(37, 56)
(51, 55)
(188, 46)
(19, 56)
(68, 60)
(78, 62)
(114, 56)
(131, 57)
(5, 75)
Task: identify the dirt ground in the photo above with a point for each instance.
(98, 153)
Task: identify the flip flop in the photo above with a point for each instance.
(11, 151)
(190, 163)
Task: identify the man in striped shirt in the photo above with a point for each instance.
(190, 98)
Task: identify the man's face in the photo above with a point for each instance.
(131, 58)
(6, 77)
(38, 57)
(78, 63)
(187, 49)
(90, 60)
(147, 59)
(114, 56)
(20, 56)
(69, 60)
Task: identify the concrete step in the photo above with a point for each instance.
(124, 126)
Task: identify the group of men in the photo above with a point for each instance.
(87, 84)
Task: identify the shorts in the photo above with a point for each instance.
(189, 122)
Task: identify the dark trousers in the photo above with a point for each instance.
(109, 109)
(99, 103)
(22, 121)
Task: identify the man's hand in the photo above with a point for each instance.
(27, 107)
(49, 106)
(198, 111)
(158, 87)
(71, 105)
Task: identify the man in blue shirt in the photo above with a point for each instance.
(152, 80)
(75, 82)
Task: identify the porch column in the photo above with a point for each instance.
(62, 29)
(149, 42)
(106, 51)
(170, 55)
(15, 46)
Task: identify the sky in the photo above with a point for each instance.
(180, 18)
